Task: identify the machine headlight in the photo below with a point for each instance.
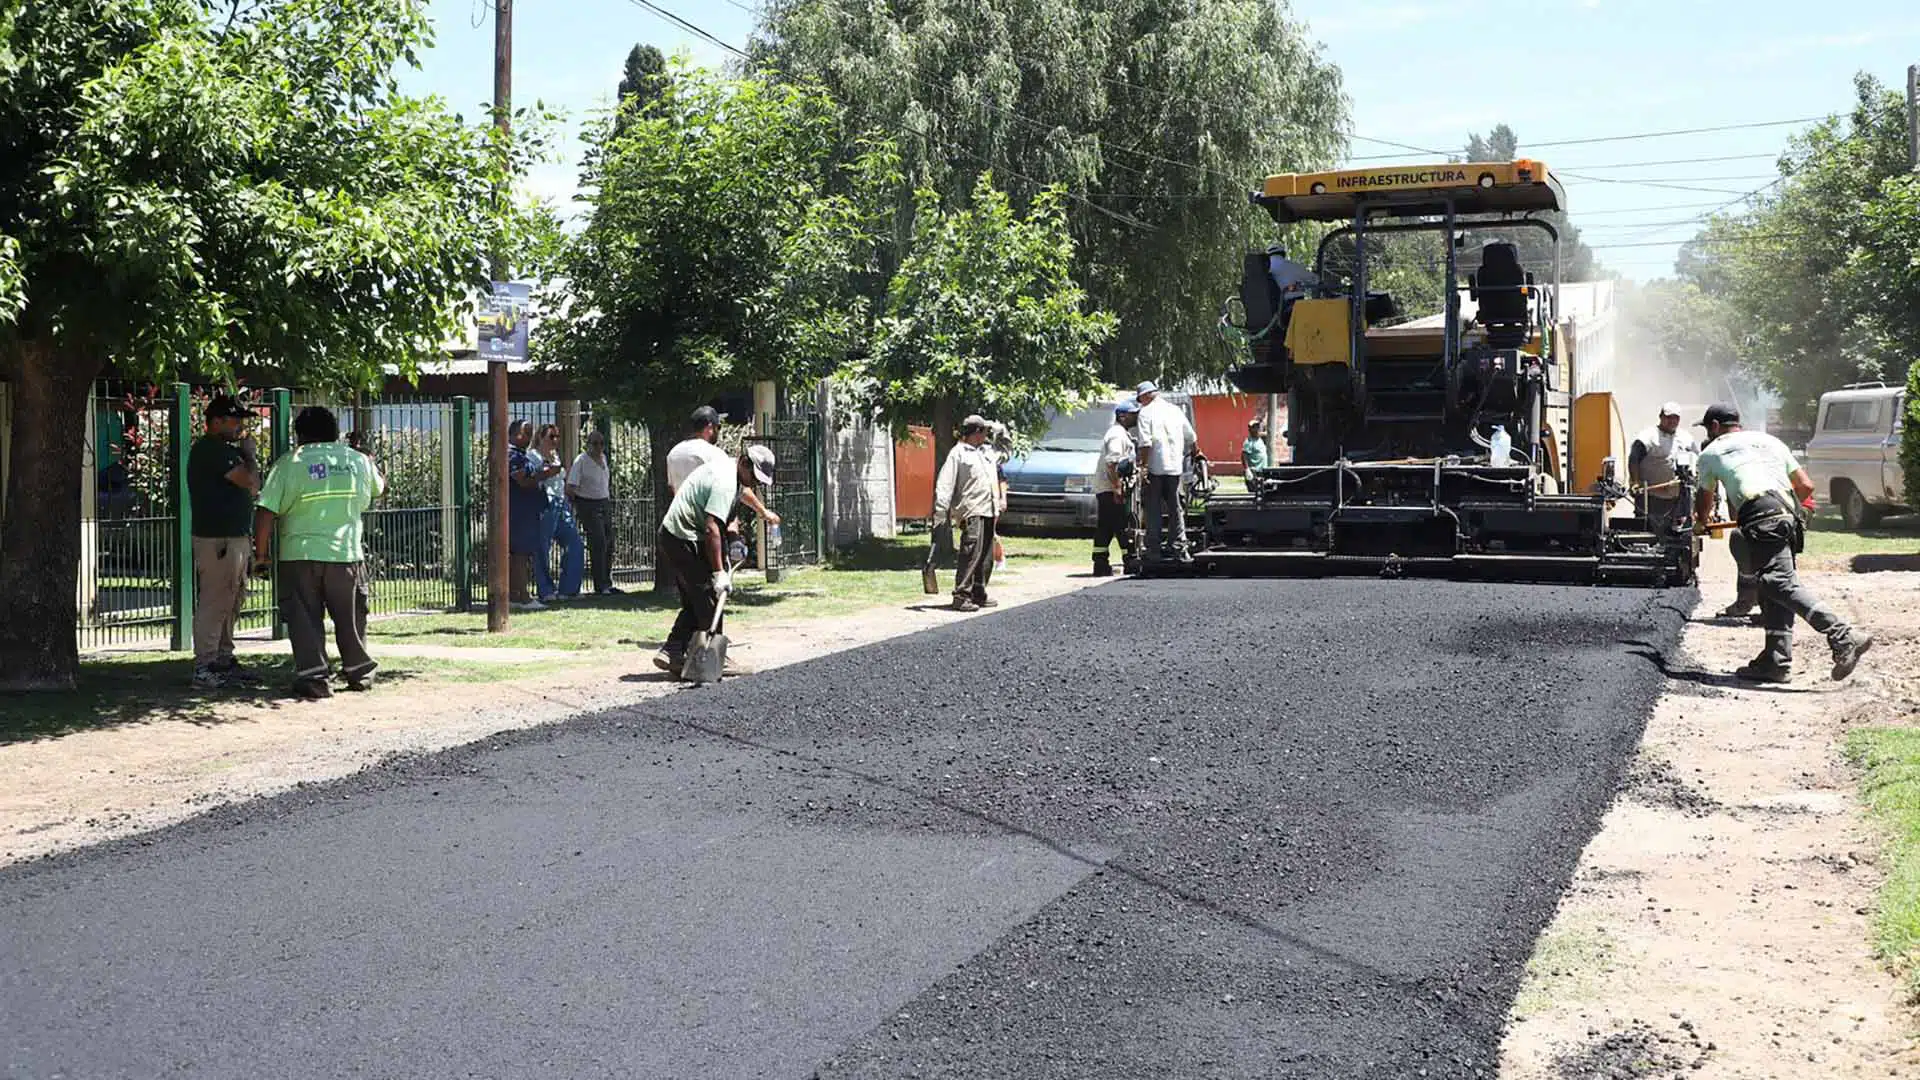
(1076, 483)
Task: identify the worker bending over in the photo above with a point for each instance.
(1110, 486)
(967, 492)
(1765, 486)
(693, 551)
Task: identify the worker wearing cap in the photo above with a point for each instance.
(1167, 441)
(702, 445)
(1765, 487)
(1109, 487)
(693, 549)
(222, 476)
(966, 492)
(1253, 452)
(1653, 464)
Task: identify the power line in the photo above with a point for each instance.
(1677, 131)
(689, 27)
(1677, 161)
(1649, 183)
(1644, 209)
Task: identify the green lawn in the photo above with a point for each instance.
(1891, 758)
(879, 573)
(133, 688)
(1893, 544)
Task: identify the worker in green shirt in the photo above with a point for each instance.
(1253, 452)
(691, 548)
(312, 503)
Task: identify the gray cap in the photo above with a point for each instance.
(975, 422)
(1145, 388)
(762, 459)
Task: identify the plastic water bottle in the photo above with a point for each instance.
(1501, 453)
(773, 538)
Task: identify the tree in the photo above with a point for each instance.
(715, 254)
(1156, 117)
(188, 192)
(984, 313)
(642, 77)
(1819, 269)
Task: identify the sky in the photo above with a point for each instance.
(1424, 73)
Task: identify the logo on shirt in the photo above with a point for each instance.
(317, 470)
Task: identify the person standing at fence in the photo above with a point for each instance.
(966, 492)
(312, 502)
(527, 474)
(590, 487)
(557, 525)
(702, 445)
(693, 549)
(222, 476)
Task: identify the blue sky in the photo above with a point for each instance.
(1421, 72)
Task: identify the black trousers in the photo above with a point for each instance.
(1110, 522)
(976, 560)
(596, 527)
(687, 567)
(1771, 525)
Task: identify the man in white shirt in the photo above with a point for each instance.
(1109, 487)
(966, 491)
(1652, 462)
(1167, 441)
(701, 446)
(590, 487)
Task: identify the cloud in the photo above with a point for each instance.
(1776, 50)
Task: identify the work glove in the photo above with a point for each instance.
(722, 583)
(737, 551)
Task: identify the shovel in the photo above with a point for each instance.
(707, 652)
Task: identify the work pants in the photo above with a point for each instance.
(686, 566)
(1660, 514)
(220, 565)
(1162, 496)
(976, 561)
(1110, 522)
(311, 592)
(1772, 527)
(596, 525)
(1746, 585)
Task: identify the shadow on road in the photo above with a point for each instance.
(1701, 677)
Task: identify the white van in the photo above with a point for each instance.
(1854, 455)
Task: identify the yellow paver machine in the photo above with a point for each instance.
(1450, 444)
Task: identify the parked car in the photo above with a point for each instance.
(1050, 488)
(1854, 455)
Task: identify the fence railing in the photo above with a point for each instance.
(425, 537)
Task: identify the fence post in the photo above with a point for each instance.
(817, 438)
(179, 440)
(460, 450)
(280, 421)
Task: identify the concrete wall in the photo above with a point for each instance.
(858, 500)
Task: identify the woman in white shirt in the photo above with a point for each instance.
(590, 487)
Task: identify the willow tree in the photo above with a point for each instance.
(189, 187)
(1155, 117)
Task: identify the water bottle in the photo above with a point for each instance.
(1501, 453)
(773, 538)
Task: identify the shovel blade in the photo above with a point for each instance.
(706, 658)
(930, 581)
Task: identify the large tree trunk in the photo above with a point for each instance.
(40, 540)
(945, 424)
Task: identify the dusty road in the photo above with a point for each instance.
(1063, 840)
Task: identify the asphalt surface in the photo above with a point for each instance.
(1155, 829)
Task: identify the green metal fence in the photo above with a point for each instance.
(797, 482)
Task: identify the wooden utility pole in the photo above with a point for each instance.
(498, 579)
(1913, 117)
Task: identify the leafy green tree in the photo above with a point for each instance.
(1819, 270)
(1156, 117)
(984, 314)
(727, 243)
(187, 191)
(641, 78)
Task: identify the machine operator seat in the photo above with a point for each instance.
(1498, 289)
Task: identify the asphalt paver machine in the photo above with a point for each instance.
(1446, 445)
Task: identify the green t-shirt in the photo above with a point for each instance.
(1747, 463)
(318, 493)
(711, 490)
(221, 508)
(1254, 453)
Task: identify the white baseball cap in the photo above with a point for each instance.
(1671, 408)
(1146, 388)
(762, 459)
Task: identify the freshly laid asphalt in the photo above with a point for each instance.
(1154, 829)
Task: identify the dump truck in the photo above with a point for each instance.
(1452, 442)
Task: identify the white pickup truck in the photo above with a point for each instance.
(1854, 455)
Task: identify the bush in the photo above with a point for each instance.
(1910, 442)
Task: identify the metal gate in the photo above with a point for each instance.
(797, 461)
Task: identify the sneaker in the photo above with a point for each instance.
(360, 684)
(668, 662)
(1846, 657)
(207, 678)
(1184, 556)
(988, 602)
(312, 689)
(965, 605)
(613, 590)
(531, 605)
(1759, 672)
(236, 672)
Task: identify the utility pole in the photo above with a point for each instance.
(1913, 117)
(498, 579)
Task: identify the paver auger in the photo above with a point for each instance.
(1450, 445)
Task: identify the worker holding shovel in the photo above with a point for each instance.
(692, 548)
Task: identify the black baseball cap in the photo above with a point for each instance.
(707, 416)
(224, 407)
(1720, 414)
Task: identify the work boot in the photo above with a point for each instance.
(209, 678)
(1102, 564)
(1763, 671)
(314, 689)
(965, 604)
(1847, 654)
(987, 602)
(668, 662)
(237, 673)
(1736, 610)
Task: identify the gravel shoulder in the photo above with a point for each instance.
(1718, 924)
(101, 784)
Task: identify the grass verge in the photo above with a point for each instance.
(1890, 757)
(1893, 544)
